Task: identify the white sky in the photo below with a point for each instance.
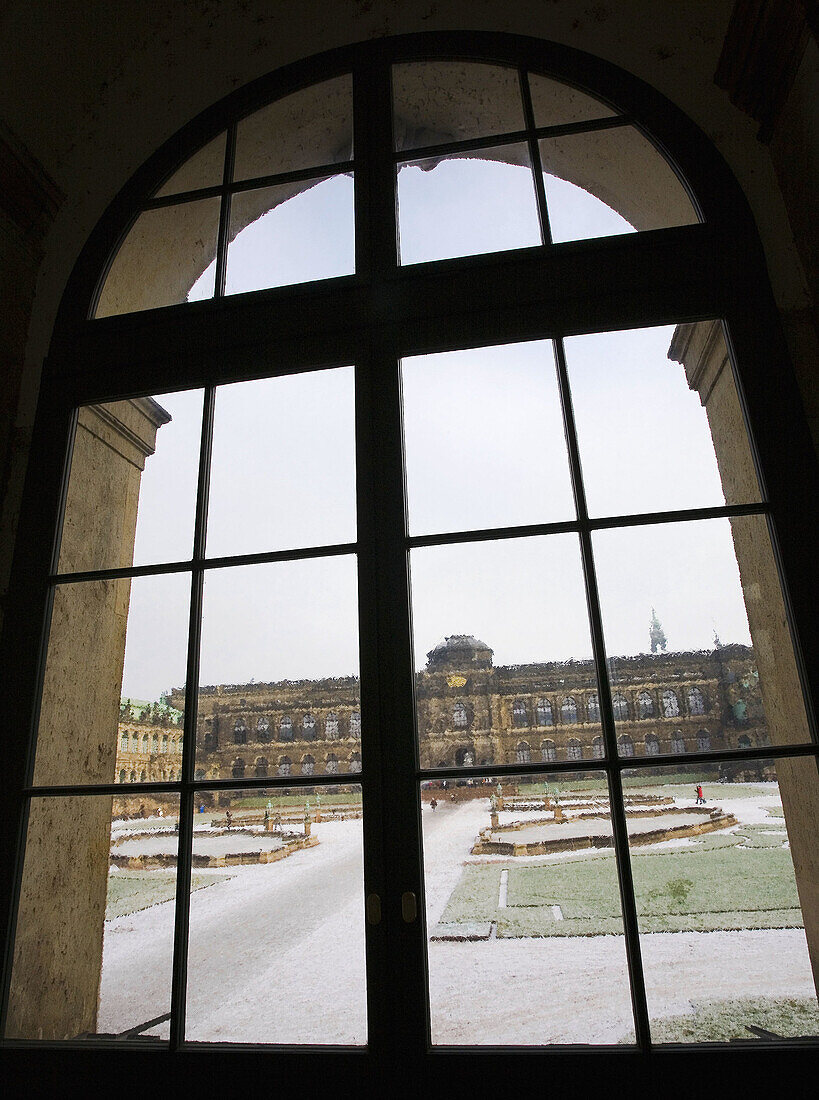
(485, 448)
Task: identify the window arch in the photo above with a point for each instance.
(598, 748)
(523, 754)
(519, 716)
(677, 742)
(237, 768)
(331, 766)
(355, 724)
(544, 713)
(286, 728)
(459, 716)
(652, 744)
(263, 728)
(239, 732)
(285, 764)
(552, 159)
(574, 750)
(696, 701)
(308, 727)
(308, 765)
(593, 707)
(568, 711)
(645, 705)
(261, 766)
(620, 705)
(124, 741)
(671, 704)
(331, 726)
(703, 741)
(548, 752)
(625, 745)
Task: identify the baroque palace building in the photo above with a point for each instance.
(469, 712)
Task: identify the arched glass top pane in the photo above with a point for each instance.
(556, 104)
(204, 169)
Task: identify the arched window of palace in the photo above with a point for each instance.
(645, 705)
(123, 743)
(625, 745)
(677, 742)
(164, 742)
(237, 769)
(652, 744)
(519, 716)
(263, 729)
(155, 744)
(261, 766)
(703, 741)
(331, 726)
(135, 743)
(696, 701)
(308, 765)
(593, 707)
(132, 777)
(568, 711)
(671, 705)
(598, 748)
(355, 762)
(145, 742)
(199, 774)
(355, 724)
(574, 750)
(548, 752)
(523, 754)
(239, 732)
(620, 705)
(544, 713)
(308, 726)
(285, 764)
(286, 729)
(331, 766)
(122, 775)
(210, 741)
(459, 718)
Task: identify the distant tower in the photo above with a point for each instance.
(656, 634)
(717, 642)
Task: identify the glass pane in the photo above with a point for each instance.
(654, 434)
(162, 258)
(466, 205)
(440, 101)
(283, 464)
(524, 926)
(203, 169)
(117, 654)
(484, 441)
(132, 490)
(304, 130)
(695, 615)
(557, 104)
(486, 701)
(276, 950)
(293, 233)
(723, 936)
(283, 697)
(616, 168)
(94, 942)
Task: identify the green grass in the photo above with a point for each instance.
(725, 881)
(259, 802)
(722, 1021)
(130, 891)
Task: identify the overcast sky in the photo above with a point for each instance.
(485, 448)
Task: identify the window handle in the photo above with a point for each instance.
(409, 907)
(373, 908)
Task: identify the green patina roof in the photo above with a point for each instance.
(140, 706)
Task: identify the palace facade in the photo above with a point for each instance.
(470, 712)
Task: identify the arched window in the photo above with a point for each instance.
(237, 769)
(671, 704)
(548, 753)
(143, 776)
(132, 777)
(593, 707)
(574, 750)
(677, 742)
(263, 729)
(620, 705)
(703, 741)
(164, 742)
(544, 713)
(145, 742)
(645, 705)
(124, 740)
(122, 775)
(210, 741)
(568, 711)
(135, 743)
(261, 766)
(355, 724)
(308, 765)
(696, 701)
(652, 744)
(331, 726)
(331, 766)
(598, 748)
(239, 732)
(179, 240)
(155, 744)
(459, 718)
(465, 757)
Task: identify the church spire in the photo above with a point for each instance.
(656, 634)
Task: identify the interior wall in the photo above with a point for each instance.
(102, 93)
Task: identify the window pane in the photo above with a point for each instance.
(466, 205)
(654, 435)
(95, 922)
(557, 104)
(304, 130)
(695, 615)
(276, 950)
(283, 697)
(113, 645)
(132, 490)
(293, 233)
(484, 439)
(526, 598)
(525, 934)
(204, 169)
(161, 259)
(721, 928)
(618, 168)
(283, 464)
(440, 101)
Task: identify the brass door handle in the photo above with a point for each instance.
(409, 907)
